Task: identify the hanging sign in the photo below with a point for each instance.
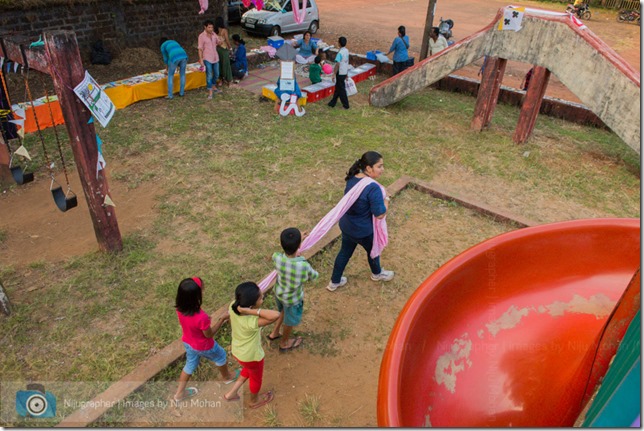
(512, 18)
(95, 99)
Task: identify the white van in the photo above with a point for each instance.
(271, 21)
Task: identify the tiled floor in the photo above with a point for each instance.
(257, 78)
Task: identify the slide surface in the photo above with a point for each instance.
(506, 333)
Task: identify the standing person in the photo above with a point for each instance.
(341, 70)
(307, 49)
(399, 47)
(240, 64)
(292, 272)
(174, 57)
(197, 335)
(357, 223)
(437, 41)
(483, 66)
(247, 317)
(526, 79)
(208, 57)
(223, 51)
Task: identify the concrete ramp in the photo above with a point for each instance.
(596, 74)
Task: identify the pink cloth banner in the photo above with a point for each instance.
(380, 239)
(204, 6)
(298, 15)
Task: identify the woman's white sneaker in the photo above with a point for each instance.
(383, 276)
(332, 286)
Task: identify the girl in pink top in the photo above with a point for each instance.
(197, 335)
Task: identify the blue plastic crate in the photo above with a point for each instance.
(275, 41)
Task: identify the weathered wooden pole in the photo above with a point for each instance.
(531, 104)
(66, 69)
(429, 22)
(5, 173)
(488, 93)
(5, 305)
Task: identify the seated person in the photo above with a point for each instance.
(238, 60)
(307, 50)
(315, 71)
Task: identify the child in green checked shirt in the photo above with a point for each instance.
(292, 272)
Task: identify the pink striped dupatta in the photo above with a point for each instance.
(332, 217)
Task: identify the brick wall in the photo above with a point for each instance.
(119, 23)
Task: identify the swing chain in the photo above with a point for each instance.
(53, 122)
(33, 109)
(5, 117)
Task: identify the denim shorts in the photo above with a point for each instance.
(292, 313)
(217, 354)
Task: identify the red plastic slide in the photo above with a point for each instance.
(505, 334)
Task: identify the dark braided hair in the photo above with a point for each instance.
(369, 158)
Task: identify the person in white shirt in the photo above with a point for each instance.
(437, 41)
(341, 70)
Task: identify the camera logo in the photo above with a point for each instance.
(35, 402)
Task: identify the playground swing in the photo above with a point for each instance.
(20, 175)
(64, 200)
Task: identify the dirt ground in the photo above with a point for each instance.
(340, 346)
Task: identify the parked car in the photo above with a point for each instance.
(235, 11)
(273, 21)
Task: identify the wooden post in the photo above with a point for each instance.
(531, 104)
(5, 173)
(429, 21)
(5, 306)
(488, 93)
(66, 69)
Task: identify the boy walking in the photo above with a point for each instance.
(292, 272)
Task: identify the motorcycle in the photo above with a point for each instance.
(445, 28)
(582, 12)
(628, 15)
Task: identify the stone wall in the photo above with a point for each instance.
(119, 23)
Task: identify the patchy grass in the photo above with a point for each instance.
(234, 175)
(309, 409)
(271, 418)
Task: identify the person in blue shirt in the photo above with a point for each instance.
(240, 63)
(307, 49)
(399, 47)
(356, 224)
(174, 57)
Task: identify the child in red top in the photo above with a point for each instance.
(197, 335)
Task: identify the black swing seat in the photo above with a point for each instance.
(63, 201)
(21, 177)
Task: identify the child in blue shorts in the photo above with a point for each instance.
(197, 335)
(292, 271)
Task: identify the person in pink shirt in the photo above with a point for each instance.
(208, 57)
(198, 336)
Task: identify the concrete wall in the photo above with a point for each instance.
(119, 23)
(601, 79)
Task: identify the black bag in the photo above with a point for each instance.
(409, 62)
(100, 55)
